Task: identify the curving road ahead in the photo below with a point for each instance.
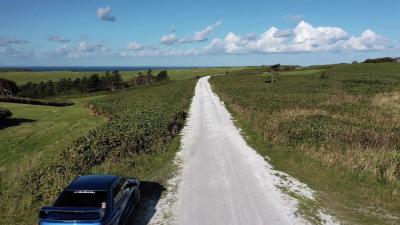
(223, 180)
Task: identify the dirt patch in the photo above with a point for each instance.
(93, 112)
(299, 112)
(387, 100)
(342, 98)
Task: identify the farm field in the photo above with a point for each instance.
(175, 74)
(134, 133)
(43, 130)
(337, 132)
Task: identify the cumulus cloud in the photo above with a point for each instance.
(4, 41)
(58, 38)
(105, 14)
(303, 38)
(369, 40)
(169, 39)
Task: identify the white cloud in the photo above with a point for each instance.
(368, 40)
(309, 38)
(134, 46)
(202, 35)
(303, 38)
(284, 33)
(105, 14)
(159, 52)
(169, 39)
(12, 41)
(58, 38)
(85, 46)
(9, 51)
(63, 50)
(198, 36)
(83, 49)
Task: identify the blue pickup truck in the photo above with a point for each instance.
(94, 200)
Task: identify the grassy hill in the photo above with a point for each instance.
(336, 129)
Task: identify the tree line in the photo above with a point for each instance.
(109, 81)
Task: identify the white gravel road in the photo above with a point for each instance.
(222, 179)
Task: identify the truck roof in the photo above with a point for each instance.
(93, 182)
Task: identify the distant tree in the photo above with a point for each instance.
(49, 88)
(63, 86)
(275, 67)
(149, 76)
(77, 84)
(380, 60)
(94, 83)
(141, 80)
(354, 62)
(162, 76)
(116, 81)
(8, 87)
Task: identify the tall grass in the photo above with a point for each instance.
(349, 119)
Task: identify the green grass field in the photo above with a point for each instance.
(42, 129)
(175, 74)
(339, 134)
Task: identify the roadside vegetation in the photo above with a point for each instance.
(335, 128)
(137, 138)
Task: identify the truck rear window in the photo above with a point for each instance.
(96, 199)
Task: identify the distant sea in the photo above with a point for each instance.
(97, 68)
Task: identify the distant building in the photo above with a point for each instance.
(397, 60)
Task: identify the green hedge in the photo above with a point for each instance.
(31, 101)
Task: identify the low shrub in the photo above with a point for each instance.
(4, 113)
(380, 60)
(324, 75)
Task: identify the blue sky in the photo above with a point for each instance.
(195, 33)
